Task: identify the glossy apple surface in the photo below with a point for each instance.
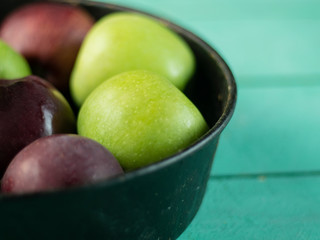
(59, 161)
(122, 42)
(49, 36)
(30, 108)
(141, 117)
(12, 64)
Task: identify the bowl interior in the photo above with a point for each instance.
(212, 88)
(213, 91)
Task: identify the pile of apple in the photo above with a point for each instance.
(124, 77)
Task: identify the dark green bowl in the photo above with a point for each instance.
(153, 203)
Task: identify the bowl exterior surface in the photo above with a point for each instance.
(158, 205)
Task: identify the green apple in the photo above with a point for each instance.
(122, 42)
(12, 64)
(141, 117)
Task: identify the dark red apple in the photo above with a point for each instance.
(30, 108)
(49, 36)
(59, 161)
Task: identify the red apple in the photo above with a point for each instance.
(30, 108)
(49, 36)
(59, 161)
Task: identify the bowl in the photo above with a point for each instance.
(155, 202)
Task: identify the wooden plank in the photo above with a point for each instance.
(280, 81)
(274, 129)
(258, 48)
(262, 208)
(202, 10)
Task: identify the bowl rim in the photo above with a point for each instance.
(213, 132)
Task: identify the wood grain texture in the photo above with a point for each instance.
(274, 129)
(259, 208)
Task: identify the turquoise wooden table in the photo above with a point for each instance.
(266, 176)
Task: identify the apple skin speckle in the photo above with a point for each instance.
(30, 108)
(59, 161)
(49, 36)
(141, 117)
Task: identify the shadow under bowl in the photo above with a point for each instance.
(155, 202)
